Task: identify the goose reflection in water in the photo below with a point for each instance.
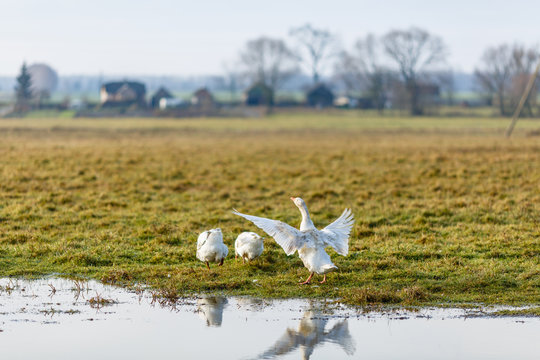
(311, 333)
(210, 309)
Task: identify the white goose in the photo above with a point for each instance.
(309, 241)
(248, 246)
(210, 247)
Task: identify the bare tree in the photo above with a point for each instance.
(348, 72)
(317, 47)
(446, 82)
(495, 74)
(268, 61)
(414, 52)
(523, 64)
(504, 73)
(232, 80)
(368, 55)
(362, 70)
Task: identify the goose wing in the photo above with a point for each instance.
(287, 343)
(202, 240)
(289, 238)
(337, 233)
(339, 334)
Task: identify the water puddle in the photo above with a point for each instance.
(60, 318)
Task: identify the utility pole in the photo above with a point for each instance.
(522, 101)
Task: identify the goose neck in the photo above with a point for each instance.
(306, 220)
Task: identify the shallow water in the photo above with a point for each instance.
(59, 318)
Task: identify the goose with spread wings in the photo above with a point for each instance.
(308, 240)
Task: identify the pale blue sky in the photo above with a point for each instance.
(122, 37)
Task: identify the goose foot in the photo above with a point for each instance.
(308, 280)
(323, 280)
(208, 265)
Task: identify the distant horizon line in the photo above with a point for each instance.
(119, 75)
(176, 75)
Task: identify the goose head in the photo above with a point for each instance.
(298, 202)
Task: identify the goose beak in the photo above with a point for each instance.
(293, 198)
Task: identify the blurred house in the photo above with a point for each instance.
(123, 93)
(430, 93)
(76, 104)
(346, 102)
(259, 94)
(171, 103)
(203, 99)
(320, 96)
(161, 93)
(366, 102)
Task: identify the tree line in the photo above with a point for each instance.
(400, 67)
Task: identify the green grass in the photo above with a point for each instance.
(54, 114)
(534, 311)
(447, 210)
(333, 120)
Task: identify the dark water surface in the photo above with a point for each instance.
(63, 319)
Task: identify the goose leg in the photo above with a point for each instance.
(323, 280)
(208, 265)
(308, 280)
(221, 262)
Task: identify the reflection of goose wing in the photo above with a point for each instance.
(284, 345)
(310, 333)
(339, 334)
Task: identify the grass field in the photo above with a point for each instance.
(337, 120)
(447, 210)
